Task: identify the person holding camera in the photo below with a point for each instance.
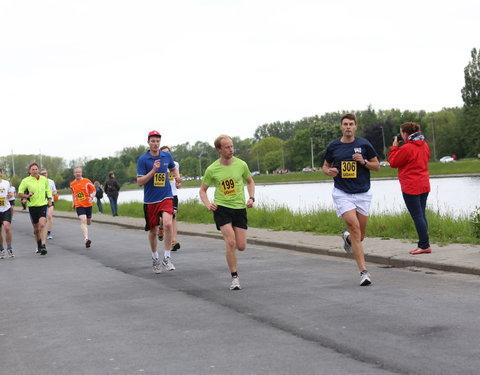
(411, 159)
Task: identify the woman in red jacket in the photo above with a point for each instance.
(412, 162)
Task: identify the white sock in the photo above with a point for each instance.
(167, 254)
(155, 255)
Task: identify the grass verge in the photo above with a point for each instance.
(443, 229)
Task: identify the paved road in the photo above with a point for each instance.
(103, 311)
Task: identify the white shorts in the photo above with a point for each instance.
(346, 202)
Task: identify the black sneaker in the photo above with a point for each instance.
(88, 243)
(43, 250)
(175, 246)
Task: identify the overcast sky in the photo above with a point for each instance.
(88, 78)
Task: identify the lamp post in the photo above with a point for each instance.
(311, 151)
(200, 161)
(384, 149)
(433, 138)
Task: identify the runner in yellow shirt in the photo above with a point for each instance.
(36, 190)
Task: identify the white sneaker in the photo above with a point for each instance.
(2, 254)
(365, 278)
(10, 252)
(167, 263)
(235, 285)
(346, 245)
(49, 236)
(156, 266)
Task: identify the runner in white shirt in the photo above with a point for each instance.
(53, 188)
(175, 186)
(5, 216)
(13, 192)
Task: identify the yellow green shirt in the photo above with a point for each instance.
(228, 182)
(40, 189)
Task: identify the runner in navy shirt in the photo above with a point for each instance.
(152, 173)
(349, 161)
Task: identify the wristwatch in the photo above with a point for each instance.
(365, 161)
(252, 198)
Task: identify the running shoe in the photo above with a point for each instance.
(167, 263)
(2, 254)
(88, 243)
(421, 251)
(156, 266)
(160, 234)
(235, 285)
(49, 236)
(175, 246)
(10, 252)
(43, 250)
(346, 245)
(365, 278)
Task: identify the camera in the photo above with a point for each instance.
(398, 137)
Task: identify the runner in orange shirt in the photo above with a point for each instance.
(83, 192)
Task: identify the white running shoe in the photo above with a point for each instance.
(156, 266)
(2, 254)
(167, 263)
(346, 245)
(235, 285)
(10, 252)
(49, 236)
(365, 278)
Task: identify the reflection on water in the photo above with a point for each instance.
(456, 196)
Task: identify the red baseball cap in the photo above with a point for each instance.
(154, 133)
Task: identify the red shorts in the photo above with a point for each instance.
(153, 211)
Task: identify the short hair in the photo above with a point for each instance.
(111, 174)
(31, 165)
(165, 148)
(348, 116)
(410, 127)
(218, 141)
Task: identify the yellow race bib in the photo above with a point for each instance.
(159, 179)
(3, 202)
(349, 169)
(81, 196)
(228, 187)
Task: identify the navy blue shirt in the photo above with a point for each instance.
(352, 177)
(158, 187)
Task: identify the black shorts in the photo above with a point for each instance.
(224, 215)
(12, 202)
(84, 211)
(5, 216)
(37, 212)
(175, 205)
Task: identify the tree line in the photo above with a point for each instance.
(293, 145)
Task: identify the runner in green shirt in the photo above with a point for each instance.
(36, 189)
(228, 175)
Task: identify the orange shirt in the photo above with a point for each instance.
(81, 190)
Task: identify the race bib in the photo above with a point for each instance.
(171, 177)
(81, 196)
(349, 169)
(228, 187)
(159, 179)
(3, 202)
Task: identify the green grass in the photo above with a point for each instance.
(442, 229)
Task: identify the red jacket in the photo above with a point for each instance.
(412, 162)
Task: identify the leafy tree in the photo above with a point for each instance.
(471, 90)
(471, 100)
(273, 160)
